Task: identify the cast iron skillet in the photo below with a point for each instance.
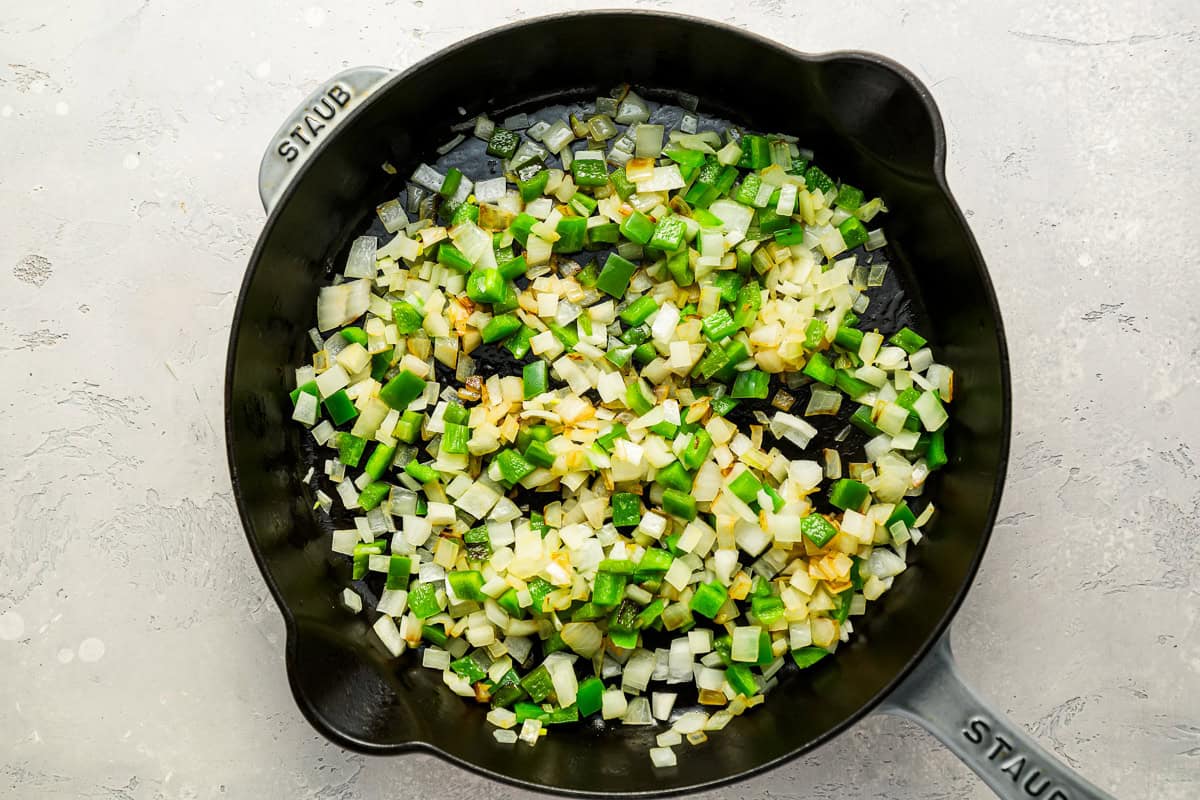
(867, 118)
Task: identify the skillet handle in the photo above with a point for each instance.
(306, 129)
(1004, 756)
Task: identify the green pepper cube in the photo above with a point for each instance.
(571, 232)
(406, 317)
(423, 601)
(638, 312)
(522, 226)
(627, 640)
(402, 390)
(768, 609)
(479, 548)
(819, 369)
(589, 171)
(614, 277)
(354, 334)
(539, 455)
(453, 258)
(350, 448)
(689, 161)
(462, 213)
(668, 233)
(817, 529)
(644, 353)
(513, 466)
(638, 397)
(679, 264)
(730, 283)
(749, 301)
(793, 234)
(518, 344)
(748, 191)
(848, 197)
(719, 324)
(752, 384)
(399, 570)
(582, 204)
(503, 143)
(697, 450)
(486, 286)
(501, 327)
(433, 633)
(469, 668)
(849, 494)
(627, 509)
(534, 185)
(815, 178)
(849, 338)
(741, 679)
(603, 234)
(723, 405)
(814, 334)
(372, 495)
(309, 387)
(936, 456)
(852, 386)
(534, 378)
(756, 152)
(513, 268)
(638, 228)
(908, 340)
(608, 588)
(807, 656)
(455, 437)
(843, 607)
(708, 599)
(606, 439)
(466, 584)
(451, 182)
(380, 460)
(902, 513)
(422, 473)
(679, 504)
(674, 476)
(853, 232)
(620, 181)
(655, 560)
(745, 486)
(589, 696)
(341, 407)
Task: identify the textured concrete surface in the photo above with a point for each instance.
(139, 651)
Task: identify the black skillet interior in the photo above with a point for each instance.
(868, 121)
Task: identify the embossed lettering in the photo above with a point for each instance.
(314, 121)
(288, 150)
(1001, 745)
(1058, 794)
(1033, 776)
(339, 95)
(324, 104)
(1017, 762)
(314, 125)
(975, 731)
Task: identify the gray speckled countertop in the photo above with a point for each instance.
(140, 652)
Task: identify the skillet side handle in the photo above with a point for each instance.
(307, 128)
(1004, 756)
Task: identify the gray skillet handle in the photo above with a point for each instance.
(1004, 756)
(298, 139)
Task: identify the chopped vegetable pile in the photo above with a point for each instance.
(586, 532)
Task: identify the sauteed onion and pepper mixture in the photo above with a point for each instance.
(597, 529)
